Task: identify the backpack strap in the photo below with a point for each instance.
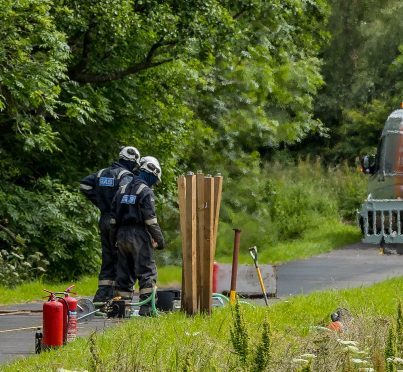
(122, 173)
(100, 172)
(141, 188)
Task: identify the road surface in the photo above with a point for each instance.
(353, 266)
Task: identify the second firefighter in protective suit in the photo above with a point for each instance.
(138, 233)
(100, 188)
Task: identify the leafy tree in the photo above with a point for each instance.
(210, 84)
(362, 69)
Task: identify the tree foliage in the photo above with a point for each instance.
(362, 69)
(209, 84)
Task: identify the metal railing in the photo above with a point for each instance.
(381, 221)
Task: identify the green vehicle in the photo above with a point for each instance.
(381, 215)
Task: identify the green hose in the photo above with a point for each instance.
(222, 297)
(151, 298)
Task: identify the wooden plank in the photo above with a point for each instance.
(218, 181)
(190, 252)
(182, 215)
(208, 254)
(200, 235)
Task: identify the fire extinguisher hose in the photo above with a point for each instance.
(68, 315)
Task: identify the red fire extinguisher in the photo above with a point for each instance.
(52, 323)
(69, 316)
(215, 276)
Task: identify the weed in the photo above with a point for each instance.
(391, 350)
(187, 364)
(95, 359)
(399, 328)
(377, 349)
(308, 367)
(239, 335)
(262, 354)
(323, 349)
(348, 365)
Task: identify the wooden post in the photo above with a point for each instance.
(182, 214)
(208, 253)
(200, 236)
(199, 207)
(217, 205)
(189, 264)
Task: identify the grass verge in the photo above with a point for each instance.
(176, 342)
(167, 276)
(321, 239)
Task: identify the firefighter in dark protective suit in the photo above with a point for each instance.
(138, 233)
(100, 188)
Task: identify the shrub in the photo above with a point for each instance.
(54, 220)
(280, 202)
(15, 267)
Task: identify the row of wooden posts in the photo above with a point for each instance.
(199, 206)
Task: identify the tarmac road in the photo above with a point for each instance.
(353, 266)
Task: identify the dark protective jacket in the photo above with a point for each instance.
(134, 205)
(101, 187)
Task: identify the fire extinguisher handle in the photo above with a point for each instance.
(68, 289)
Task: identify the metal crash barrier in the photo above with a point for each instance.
(381, 221)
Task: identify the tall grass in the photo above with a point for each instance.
(33, 291)
(282, 204)
(203, 343)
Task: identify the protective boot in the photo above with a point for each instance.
(145, 310)
(104, 293)
(126, 296)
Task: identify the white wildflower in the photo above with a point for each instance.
(308, 356)
(347, 342)
(320, 328)
(395, 360)
(352, 349)
(359, 361)
(300, 360)
(192, 334)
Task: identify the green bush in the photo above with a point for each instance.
(54, 220)
(280, 202)
(17, 268)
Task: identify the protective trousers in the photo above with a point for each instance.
(135, 261)
(106, 277)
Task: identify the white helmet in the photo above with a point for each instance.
(151, 165)
(130, 153)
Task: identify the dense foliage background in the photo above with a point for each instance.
(224, 86)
